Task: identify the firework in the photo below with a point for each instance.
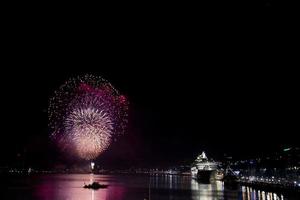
(85, 114)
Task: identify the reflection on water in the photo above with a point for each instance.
(70, 187)
(215, 190)
(249, 193)
(121, 187)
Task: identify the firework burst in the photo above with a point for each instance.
(85, 114)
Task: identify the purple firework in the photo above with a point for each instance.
(85, 114)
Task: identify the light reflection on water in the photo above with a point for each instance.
(121, 187)
(249, 193)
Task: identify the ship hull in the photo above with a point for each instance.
(204, 175)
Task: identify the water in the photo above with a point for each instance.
(124, 187)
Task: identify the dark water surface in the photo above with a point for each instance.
(131, 187)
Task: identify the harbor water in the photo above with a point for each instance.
(125, 187)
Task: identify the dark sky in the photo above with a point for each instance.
(174, 113)
(225, 88)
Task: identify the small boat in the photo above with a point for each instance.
(95, 186)
(219, 175)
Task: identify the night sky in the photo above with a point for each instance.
(174, 114)
(223, 93)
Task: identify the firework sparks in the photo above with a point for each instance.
(85, 114)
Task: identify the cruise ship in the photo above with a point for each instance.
(204, 169)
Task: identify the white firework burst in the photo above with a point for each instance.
(85, 114)
(90, 131)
